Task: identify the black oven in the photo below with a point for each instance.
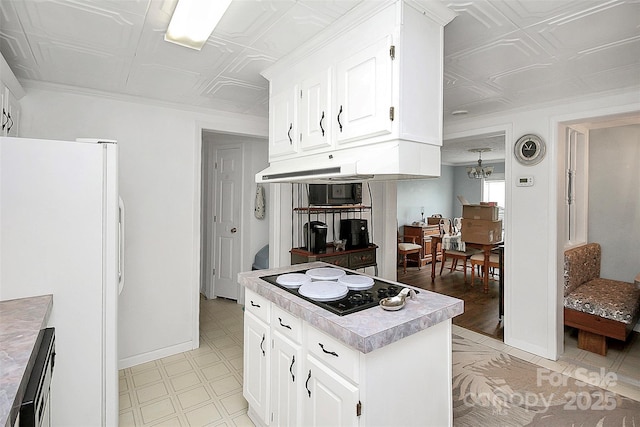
(35, 410)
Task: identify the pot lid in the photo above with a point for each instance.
(292, 280)
(323, 290)
(356, 282)
(325, 273)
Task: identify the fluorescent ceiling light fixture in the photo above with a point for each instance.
(193, 21)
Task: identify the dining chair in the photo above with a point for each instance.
(407, 248)
(454, 255)
(478, 261)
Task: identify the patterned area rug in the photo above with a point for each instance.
(492, 388)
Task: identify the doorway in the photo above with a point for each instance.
(228, 234)
(443, 196)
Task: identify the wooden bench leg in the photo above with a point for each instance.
(592, 342)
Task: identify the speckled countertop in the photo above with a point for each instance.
(20, 323)
(365, 330)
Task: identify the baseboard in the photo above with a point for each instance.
(155, 355)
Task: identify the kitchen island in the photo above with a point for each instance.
(304, 365)
(20, 323)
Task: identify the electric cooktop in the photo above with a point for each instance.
(355, 300)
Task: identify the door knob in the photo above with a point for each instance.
(233, 230)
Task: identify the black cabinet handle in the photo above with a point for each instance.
(339, 113)
(306, 385)
(4, 123)
(289, 133)
(333, 353)
(321, 119)
(282, 324)
(253, 304)
(293, 360)
(261, 343)
(11, 125)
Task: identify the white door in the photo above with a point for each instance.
(227, 222)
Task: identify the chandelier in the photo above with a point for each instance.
(479, 172)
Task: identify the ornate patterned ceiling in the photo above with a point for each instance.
(499, 54)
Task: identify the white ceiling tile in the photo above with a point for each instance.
(246, 21)
(229, 89)
(165, 82)
(296, 26)
(9, 16)
(84, 24)
(248, 65)
(514, 52)
(90, 68)
(332, 8)
(609, 21)
(477, 22)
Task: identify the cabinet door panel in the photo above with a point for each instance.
(13, 114)
(283, 128)
(330, 400)
(364, 93)
(256, 364)
(315, 114)
(286, 381)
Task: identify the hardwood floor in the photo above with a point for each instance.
(480, 309)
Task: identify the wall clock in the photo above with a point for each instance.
(529, 149)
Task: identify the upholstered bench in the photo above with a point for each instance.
(597, 307)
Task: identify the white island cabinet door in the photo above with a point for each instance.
(363, 84)
(286, 381)
(257, 346)
(330, 400)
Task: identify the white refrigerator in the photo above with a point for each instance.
(61, 233)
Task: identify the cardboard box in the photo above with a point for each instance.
(481, 231)
(488, 213)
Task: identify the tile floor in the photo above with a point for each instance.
(203, 387)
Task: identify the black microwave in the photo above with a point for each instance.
(335, 194)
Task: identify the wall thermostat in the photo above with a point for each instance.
(524, 181)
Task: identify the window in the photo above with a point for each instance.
(493, 191)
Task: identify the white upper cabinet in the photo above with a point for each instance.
(283, 122)
(10, 112)
(374, 76)
(315, 111)
(363, 98)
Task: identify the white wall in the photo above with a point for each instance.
(433, 194)
(614, 202)
(533, 315)
(159, 156)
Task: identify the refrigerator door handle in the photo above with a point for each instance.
(121, 234)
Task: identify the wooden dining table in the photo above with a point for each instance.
(485, 247)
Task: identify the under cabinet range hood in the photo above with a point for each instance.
(388, 161)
